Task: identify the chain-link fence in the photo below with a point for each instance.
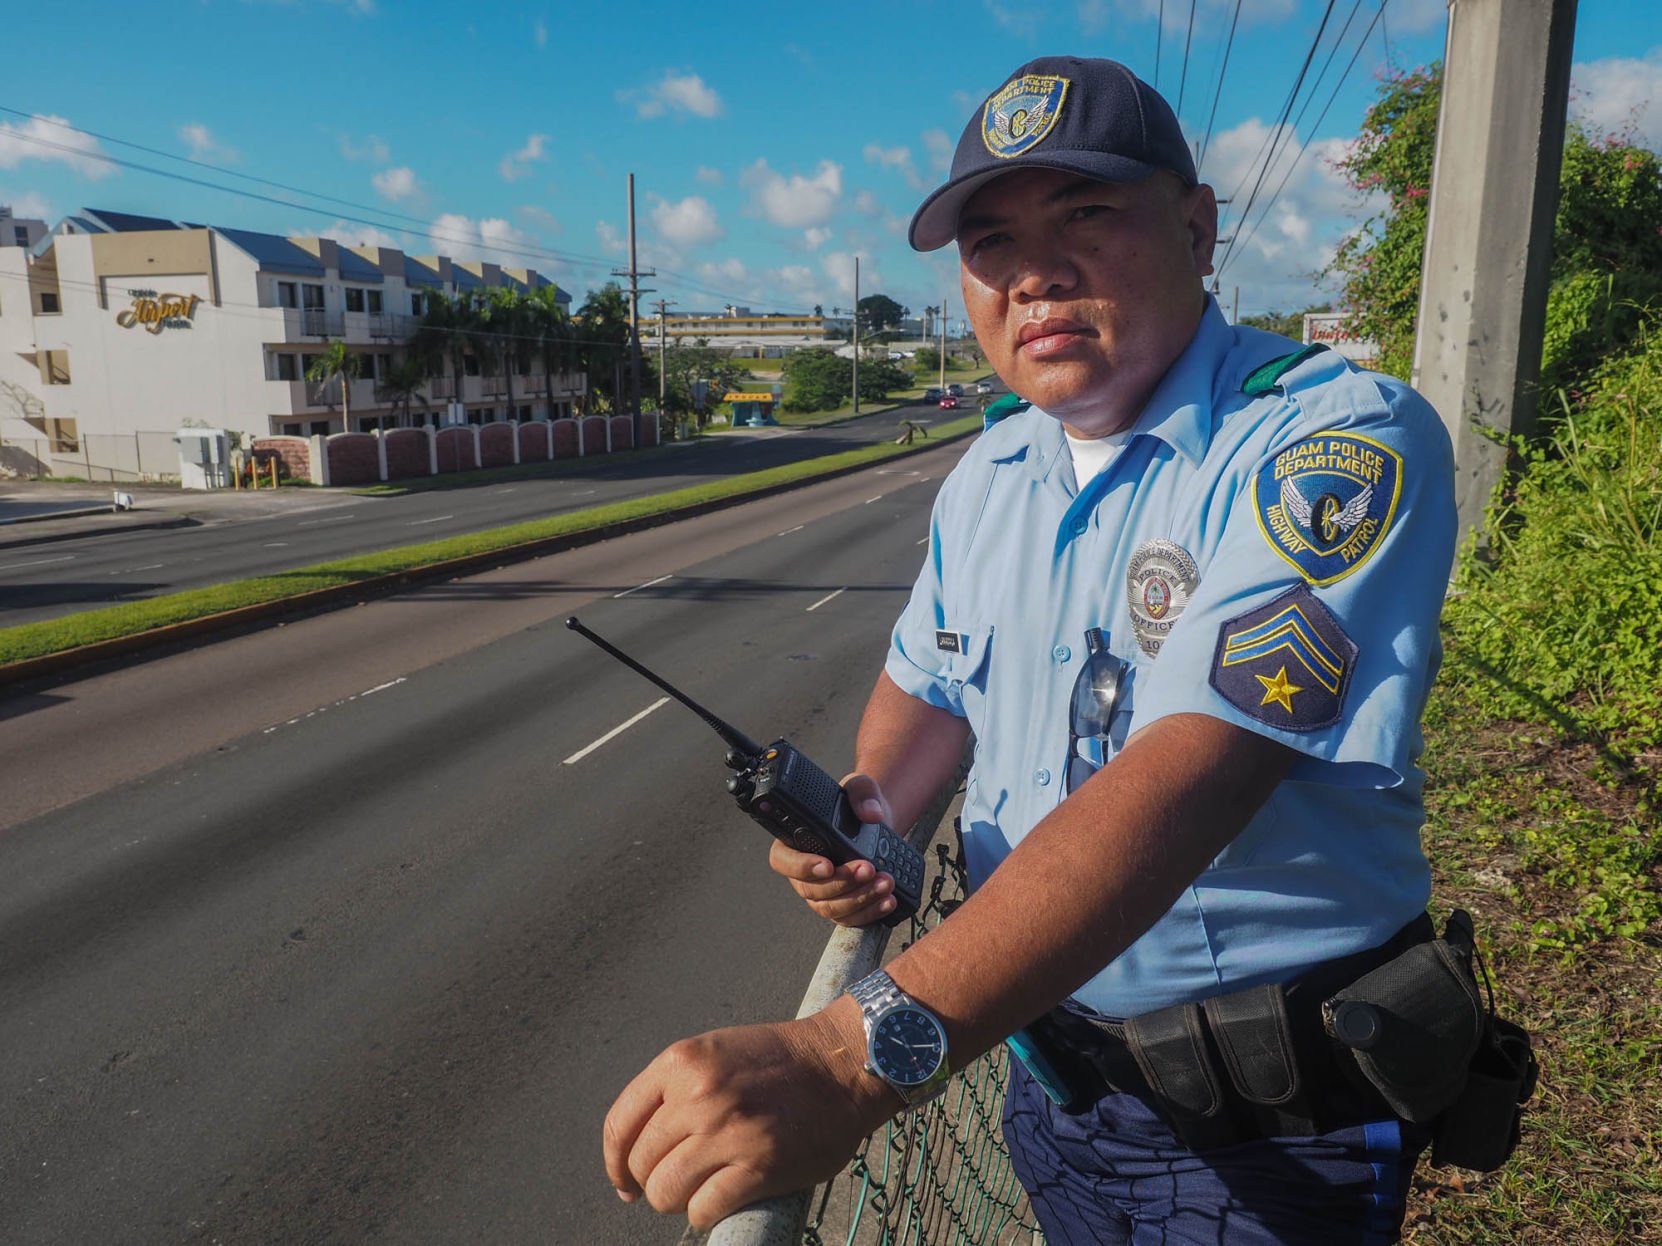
(939, 1176)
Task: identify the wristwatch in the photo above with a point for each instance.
(905, 1042)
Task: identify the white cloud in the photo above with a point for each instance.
(689, 223)
(939, 146)
(491, 238)
(54, 141)
(1417, 17)
(681, 93)
(896, 159)
(709, 176)
(539, 217)
(203, 145)
(27, 204)
(610, 238)
(352, 234)
(396, 184)
(794, 202)
(838, 267)
(539, 32)
(516, 164)
(1093, 16)
(868, 204)
(372, 149)
(1613, 96)
(816, 237)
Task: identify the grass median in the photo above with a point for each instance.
(54, 636)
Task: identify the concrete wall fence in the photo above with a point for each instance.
(403, 453)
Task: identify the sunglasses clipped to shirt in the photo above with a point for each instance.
(1096, 694)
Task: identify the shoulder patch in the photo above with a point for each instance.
(1326, 503)
(1286, 664)
(1265, 378)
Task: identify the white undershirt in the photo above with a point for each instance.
(1092, 454)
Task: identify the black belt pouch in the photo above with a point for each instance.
(1172, 1052)
(1255, 1038)
(1481, 1130)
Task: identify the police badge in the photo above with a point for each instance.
(1020, 115)
(1159, 580)
(1326, 503)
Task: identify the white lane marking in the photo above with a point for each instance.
(895, 471)
(614, 732)
(39, 562)
(434, 519)
(324, 709)
(827, 598)
(500, 492)
(925, 541)
(878, 498)
(308, 523)
(149, 566)
(799, 527)
(638, 587)
(586, 493)
(276, 544)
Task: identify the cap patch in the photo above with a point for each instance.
(1286, 664)
(1326, 503)
(1019, 116)
(1159, 581)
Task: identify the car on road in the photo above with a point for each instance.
(955, 389)
(932, 394)
(948, 402)
(983, 387)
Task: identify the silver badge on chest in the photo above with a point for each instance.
(1158, 583)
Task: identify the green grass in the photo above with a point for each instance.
(34, 640)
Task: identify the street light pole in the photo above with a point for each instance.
(856, 335)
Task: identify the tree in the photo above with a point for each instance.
(405, 383)
(1288, 324)
(555, 336)
(1607, 240)
(685, 365)
(603, 333)
(448, 331)
(878, 312)
(337, 363)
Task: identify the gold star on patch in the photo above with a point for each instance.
(1279, 689)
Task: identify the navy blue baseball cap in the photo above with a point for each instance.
(1091, 117)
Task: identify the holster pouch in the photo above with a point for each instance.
(1068, 1078)
(1255, 1039)
(1426, 1022)
(1481, 1130)
(1172, 1053)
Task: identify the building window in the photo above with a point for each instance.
(524, 414)
(288, 294)
(291, 430)
(49, 303)
(312, 296)
(354, 299)
(287, 369)
(20, 235)
(470, 365)
(418, 304)
(319, 428)
(374, 297)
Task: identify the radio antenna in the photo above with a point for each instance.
(726, 731)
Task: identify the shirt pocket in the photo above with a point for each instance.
(967, 670)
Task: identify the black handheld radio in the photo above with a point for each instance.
(797, 802)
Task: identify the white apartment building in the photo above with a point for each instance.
(116, 330)
(19, 231)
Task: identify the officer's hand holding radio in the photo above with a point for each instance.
(855, 893)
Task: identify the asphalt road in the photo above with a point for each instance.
(63, 577)
(351, 930)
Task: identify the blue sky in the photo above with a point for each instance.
(770, 142)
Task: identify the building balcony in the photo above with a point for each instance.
(309, 396)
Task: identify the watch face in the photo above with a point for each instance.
(907, 1046)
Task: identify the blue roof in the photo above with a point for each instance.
(354, 267)
(274, 254)
(418, 274)
(127, 222)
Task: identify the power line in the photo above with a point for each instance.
(1264, 215)
(1276, 134)
(1183, 78)
(1206, 137)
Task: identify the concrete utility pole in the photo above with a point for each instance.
(943, 344)
(856, 335)
(663, 306)
(1488, 245)
(634, 273)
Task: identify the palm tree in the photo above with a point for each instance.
(337, 363)
(506, 326)
(550, 324)
(447, 331)
(406, 381)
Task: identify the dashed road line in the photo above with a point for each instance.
(638, 587)
(827, 598)
(614, 732)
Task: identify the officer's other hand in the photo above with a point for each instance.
(854, 894)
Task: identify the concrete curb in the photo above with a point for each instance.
(378, 586)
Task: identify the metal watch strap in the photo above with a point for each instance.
(876, 992)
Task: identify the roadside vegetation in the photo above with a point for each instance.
(35, 640)
(1544, 733)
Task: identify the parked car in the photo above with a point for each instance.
(955, 389)
(948, 403)
(932, 394)
(983, 387)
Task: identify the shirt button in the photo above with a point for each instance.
(1061, 653)
(1041, 777)
(1079, 525)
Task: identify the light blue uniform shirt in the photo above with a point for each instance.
(1021, 562)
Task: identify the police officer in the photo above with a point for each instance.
(1187, 605)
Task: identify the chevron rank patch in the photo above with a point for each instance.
(1326, 503)
(1286, 664)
